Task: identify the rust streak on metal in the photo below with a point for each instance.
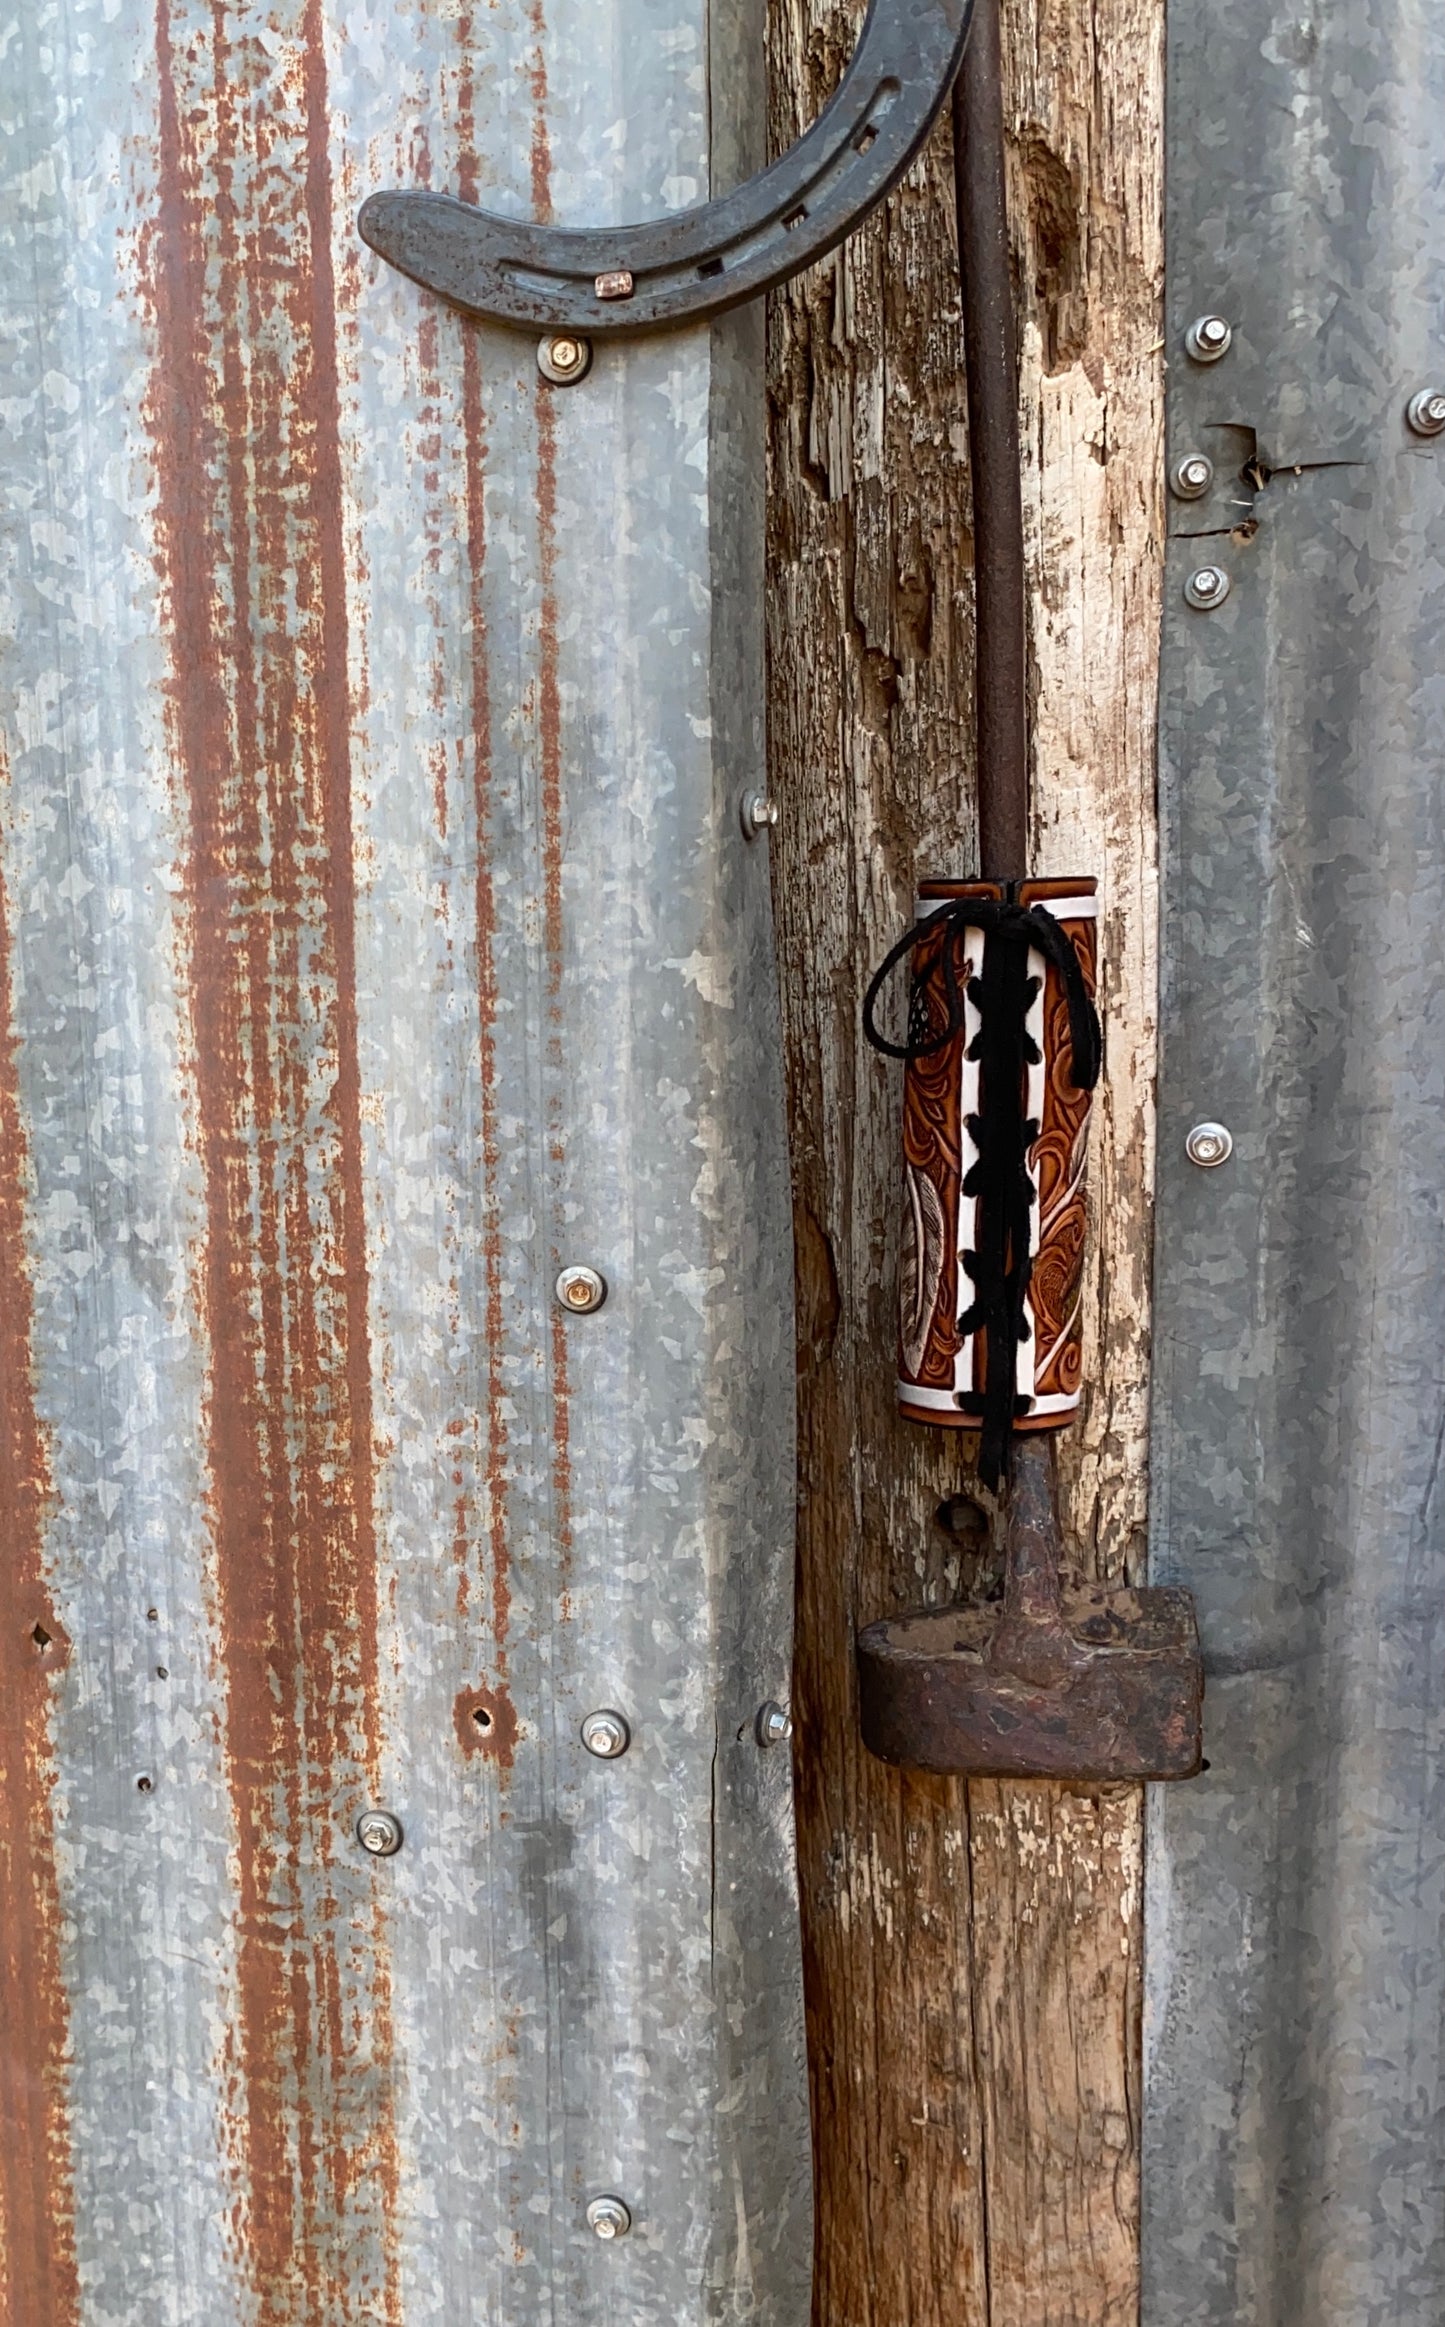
(244, 415)
(549, 726)
(38, 2278)
(474, 432)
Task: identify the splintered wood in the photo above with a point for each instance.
(973, 1953)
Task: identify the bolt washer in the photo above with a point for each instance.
(1208, 338)
(1426, 412)
(1191, 477)
(564, 358)
(1209, 1145)
(379, 1833)
(606, 1733)
(609, 2217)
(581, 1290)
(1207, 588)
(774, 1724)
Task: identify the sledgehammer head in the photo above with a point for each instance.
(1091, 1681)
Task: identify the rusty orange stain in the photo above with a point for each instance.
(243, 412)
(486, 1722)
(37, 2203)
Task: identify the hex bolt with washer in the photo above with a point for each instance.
(774, 1725)
(580, 1291)
(609, 2217)
(564, 358)
(1209, 1145)
(1207, 588)
(1191, 476)
(1208, 338)
(758, 813)
(606, 1734)
(1426, 412)
(379, 1833)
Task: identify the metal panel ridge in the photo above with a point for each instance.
(377, 937)
(1294, 2140)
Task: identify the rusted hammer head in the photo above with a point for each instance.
(1088, 1681)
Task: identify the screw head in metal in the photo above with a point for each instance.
(774, 1723)
(1208, 1145)
(1191, 476)
(1208, 338)
(1207, 588)
(564, 358)
(609, 2217)
(606, 1734)
(581, 1290)
(759, 814)
(379, 1833)
(1426, 412)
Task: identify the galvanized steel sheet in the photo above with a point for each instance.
(1295, 2084)
(378, 936)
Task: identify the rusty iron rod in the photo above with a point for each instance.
(1031, 1586)
(1001, 701)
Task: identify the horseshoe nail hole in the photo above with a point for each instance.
(792, 218)
(483, 1718)
(710, 267)
(864, 139)
(144, 1785)
(40, 1636)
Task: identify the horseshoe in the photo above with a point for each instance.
(603, 281)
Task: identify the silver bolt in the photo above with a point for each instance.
(581, 1290)
(1208, 338)
(1192, 476)
(564, 358)
(774, 1725)
(606, 1734)
(609, 2217)
(1426, 412)
(379, 1833)
(1208, 1145)
(1207, 588)
(759, 814)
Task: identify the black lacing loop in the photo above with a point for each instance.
(996, 918)
(1000, 1265)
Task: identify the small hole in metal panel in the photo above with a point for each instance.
(482, 1717)
(793, 218)
(40, 1636)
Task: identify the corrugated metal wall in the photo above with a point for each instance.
(1295, 2088)
(379, 935)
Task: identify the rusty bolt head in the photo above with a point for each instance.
(616, 284)
(1208, 338)
(606, 1734)
(581, 1290)
(564, 358)
(1426, 412)
(1192, 476)
(774, 1724)
(609, 2217)
(379, 1833)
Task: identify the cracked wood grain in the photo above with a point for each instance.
(972, 1954)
